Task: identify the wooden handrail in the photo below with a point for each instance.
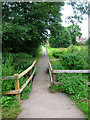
(51, 71)
(50, 65)
(22, 60)
(28, 69)
(12, 92)
(71, 71)
(17, 91)
(51, 76)
(29, 79)
(55, 59)
(8, 77)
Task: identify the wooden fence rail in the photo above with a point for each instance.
(18, 90)
(52, 72)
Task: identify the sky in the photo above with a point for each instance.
(84, 25)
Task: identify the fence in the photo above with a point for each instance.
(18, 90)
(52, 72)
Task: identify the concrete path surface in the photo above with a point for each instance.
(42, 103)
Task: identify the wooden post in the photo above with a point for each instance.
(30, 75)
(51, 72)
(52, 77)
(17, 86)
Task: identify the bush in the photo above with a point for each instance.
(74, 61)
(57, 54)
(73, 58)
(10, 67)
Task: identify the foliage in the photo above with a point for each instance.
(79, 10)
(87, 42)
(25, 24)
(10, 107)
(74, 84)
(60, 37)
(73, 59)
(10, 67)
(74, 31)
(12, 64)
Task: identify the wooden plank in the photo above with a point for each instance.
(22, 60)
(50, 71)
(28, 69)
(51, 78)
(30, 75)
(54, 59)
(17, 86)
(50, 65)
(88, 83)
(58, 83)
(8, 77)
(12, 92)
(30, 78)
(71, 71)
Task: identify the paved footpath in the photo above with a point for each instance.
(42, 103)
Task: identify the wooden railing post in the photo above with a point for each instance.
(30, 75)
(17, 86)
(52, 74)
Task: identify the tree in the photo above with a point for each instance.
(25, 24)
(60, 37)
(80, 8)
(74, 31)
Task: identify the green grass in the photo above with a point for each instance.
(11, 109)
(50, 51)
(75, 85)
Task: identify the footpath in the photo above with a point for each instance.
(42, 103)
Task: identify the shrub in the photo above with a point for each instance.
(10, 67)
(73, 58)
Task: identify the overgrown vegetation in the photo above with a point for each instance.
(10, 107)
(24, 28)
(74, 84)
(13, 64)
(25, 25)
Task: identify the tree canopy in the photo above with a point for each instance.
(80, 8)
(25, 24)
(60, 37)
(75, 31)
